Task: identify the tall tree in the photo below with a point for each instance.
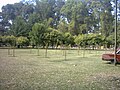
(18, 27)
(37, 34)
(106, 18)
(10, 12)
(103, 18)
(76, 13)
(63, 26)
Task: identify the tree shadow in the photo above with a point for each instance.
(11, 56)
(112, 63)
(68, 59)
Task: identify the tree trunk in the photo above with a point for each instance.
(65, 53)
(13, 51)
(46, 50)
(30, 50)
(78, 50)
(9, 51)
(38, 51)
(84, 52)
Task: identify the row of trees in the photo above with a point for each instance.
(40, 36)
(12, 41)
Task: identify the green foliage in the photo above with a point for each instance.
(63, 27)
(37, 33)
(79, 40)
(0, 39)
(96, 39)
(22, 41)
(69, 39)
(89, 39)
(71, 27)
(11, 40)
(8, 40)
(55, 37)
(76, 13)
(18, 27)
(106, 23)
(50, 22)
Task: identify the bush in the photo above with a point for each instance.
(7, 40)
(10, 40)
(22, 41)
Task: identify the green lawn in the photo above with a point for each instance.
(27, 71)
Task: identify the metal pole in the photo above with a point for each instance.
(115, 54)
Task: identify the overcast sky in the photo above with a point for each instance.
(4, 2)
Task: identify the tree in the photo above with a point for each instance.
(18, 27)
(9, 13)
(11, 41)
(106, 23)
(55, 37)
(69, 39)
(110, 40)
(78, 41)
(37, 35)
(106, 18)
(76, 14)
(44, 9)
(56, 9)
(95, 7)
(22, 41)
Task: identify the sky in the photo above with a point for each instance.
(4, 2)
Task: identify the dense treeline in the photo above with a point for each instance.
(59, 22)
(54, 38)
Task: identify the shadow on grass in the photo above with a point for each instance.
(96, 55)
(58, 60)
(112, 63)
(79, 59)
(11, 56)
(41, 56)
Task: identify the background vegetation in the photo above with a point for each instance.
(58, 22)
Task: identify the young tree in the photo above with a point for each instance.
(22, 41)
(37, 34)
(69, 39)
(11, 41)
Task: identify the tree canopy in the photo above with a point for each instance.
(73, 18)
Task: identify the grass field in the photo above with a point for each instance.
(27, 71)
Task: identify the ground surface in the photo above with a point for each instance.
(27, 71)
